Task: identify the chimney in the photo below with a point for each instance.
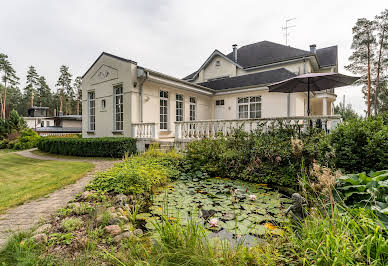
(234, 52)
(313, 48)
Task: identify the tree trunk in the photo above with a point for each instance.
(32, 99)
(77, 107)
(369, 82)
(5, 96)
(378, 70)
(60, 105)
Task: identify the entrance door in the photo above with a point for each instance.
(219, 110)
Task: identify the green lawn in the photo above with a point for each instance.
(22, 178)
(4, 151)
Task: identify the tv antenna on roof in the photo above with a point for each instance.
(288, 27)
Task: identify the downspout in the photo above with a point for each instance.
(142, 75)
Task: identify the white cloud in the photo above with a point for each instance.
(171, 36)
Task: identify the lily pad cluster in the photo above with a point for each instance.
(221, 204)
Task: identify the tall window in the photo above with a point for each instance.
(193, 108)
(92, 110)
(118, 108)
(163, 110)
(249, 107)
(179, 107)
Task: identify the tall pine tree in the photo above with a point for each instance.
(78, 93)
(63, 84)
(43, 92)
(32, 84)
(381, 63)
(8, 78)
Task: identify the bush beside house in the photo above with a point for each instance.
(273, 157)
(89, 147)
(361, 145)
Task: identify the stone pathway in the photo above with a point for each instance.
(25, 216)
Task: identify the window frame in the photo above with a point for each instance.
(249, 103)
(182, 109)
(91, 124)
(220, 102)
(163, 125)
(115, 104)
(193, 108)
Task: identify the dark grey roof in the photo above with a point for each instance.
(259, 78)
(265, 52)
(59, 129)
(68, 117)
(190, 76)
(327, 56)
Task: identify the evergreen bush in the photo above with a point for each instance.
(89, 147)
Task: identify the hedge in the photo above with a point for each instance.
(89, 147)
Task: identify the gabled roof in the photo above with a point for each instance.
(327, 56)
(265, 53)
(208, 60)
(111, 55)
(260, 78)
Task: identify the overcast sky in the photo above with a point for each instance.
(171, 36)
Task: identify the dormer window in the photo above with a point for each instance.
(218, 63)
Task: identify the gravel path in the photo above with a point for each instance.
(25, 216)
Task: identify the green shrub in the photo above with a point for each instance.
(28, 139)
(70, 224)
(367, 191)
(89, 147)
(361, 145)
(138, 174)
(273, 157)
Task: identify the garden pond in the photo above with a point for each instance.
(226, 207)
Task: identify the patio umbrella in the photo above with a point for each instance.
(312, 82)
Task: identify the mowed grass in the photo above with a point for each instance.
(23, 179)
(4, 151)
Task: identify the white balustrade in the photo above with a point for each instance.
(191, 130)
(145, 131)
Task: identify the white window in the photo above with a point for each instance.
(179, 107)
(220, 102)
(193, 108)
(118, 108)
(163, 110)
(92, 110)
(218, 63)
(249, 107)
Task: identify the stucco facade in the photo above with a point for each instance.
(154, 97)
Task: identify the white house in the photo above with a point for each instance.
(121, 98)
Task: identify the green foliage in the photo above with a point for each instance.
(361, 145)
(60, 239)
(272, 156)
(89, 147)
(355, 239)
(70, 224)
(138, 174)
(28, 139)
(346, 113)
(362, 190)
(14, 123)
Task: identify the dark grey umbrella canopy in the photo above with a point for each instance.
(316, 82)
(312, 82)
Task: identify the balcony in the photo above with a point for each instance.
(193, 130)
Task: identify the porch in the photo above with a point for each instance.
(193, 130)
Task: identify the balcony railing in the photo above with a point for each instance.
(145, 131)
(190, 130)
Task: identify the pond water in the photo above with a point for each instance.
(226, 207)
